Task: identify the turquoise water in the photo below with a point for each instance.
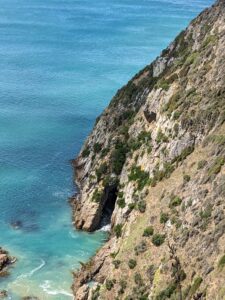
(61, 62)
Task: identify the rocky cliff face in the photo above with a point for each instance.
(154, 167)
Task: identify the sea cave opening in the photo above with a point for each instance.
(110, 196)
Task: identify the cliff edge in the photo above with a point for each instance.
(154, 168)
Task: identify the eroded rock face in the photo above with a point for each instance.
(159, 148)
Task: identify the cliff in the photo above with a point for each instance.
(154, 168)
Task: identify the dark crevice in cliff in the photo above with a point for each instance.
(109, 204)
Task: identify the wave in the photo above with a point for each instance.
(105, 228)
(31, 273)
(46, 287)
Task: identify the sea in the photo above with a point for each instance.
(61, 61)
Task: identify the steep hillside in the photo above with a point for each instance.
(154, 167)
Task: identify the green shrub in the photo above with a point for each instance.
(221, 263)
(167, 293)
(144, 136)
(158, 239)
(201, 164)
(176, 116)
(142, 206)
(184, 154)
(97, 147)
(97, 196)
(139, 176)
(211, 39)
(118, 230)
(102, 170)
(176, 129)
(109, 284)
(206, 213)
(176, 221)
(121, 202)
(217, 165)
(116, 263)
(186, 178)
(163, 84)
(164, 217)
(148, 231)
(132, 263)
(173, 103)
(132, 206)
(96, 293)
(86, 152)
(161, 137)
(175, 201)
(138, 279)
(104, 152)
(119, 157)
(195, 286)
(140, 248)
(123, 286)
(191, 58)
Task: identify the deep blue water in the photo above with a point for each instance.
(60, 63)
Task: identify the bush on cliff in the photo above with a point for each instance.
(158, 239)
(119, 157)
(148, 231)
(139, 176)
(97, 196)
(118, 230)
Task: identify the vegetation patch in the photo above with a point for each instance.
(201, 164)
(102, 170)
(158, 239)
(140, 248)
(175, 201)
(216, 166)
(119, 157)
(149, 231)
(109, 284)
(121, 202)
(167, 292)
(118, 230)
(116, 263)
(186, 178)
(141, 206)
(184, 154)
(132, 263)
(161, 137)
(221, 263)
(86, 152)
(144, 137)
(97, 196)
(164, 217)
(97, 148)
(195, 286)
(139, 176)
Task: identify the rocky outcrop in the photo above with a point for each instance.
(153, 167)
(5, 262)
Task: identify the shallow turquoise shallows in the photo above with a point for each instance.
(60, 63)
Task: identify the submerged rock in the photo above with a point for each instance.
(3, 294)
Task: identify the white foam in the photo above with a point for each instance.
(43, 263)
(106, 228)
(46, 286)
